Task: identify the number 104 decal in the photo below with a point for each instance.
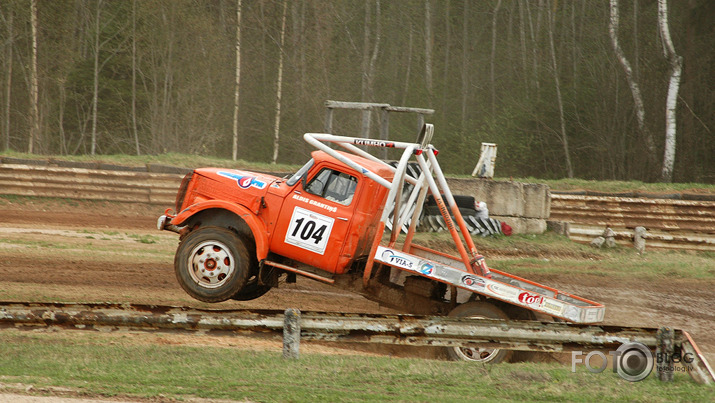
(309, 230)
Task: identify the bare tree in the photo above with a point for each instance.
(409, 65)
(279, 85)
(676, 68)
(34, 106)
(465, 62)
(559, 100)
(238, 79)
(428, 50)
(95, 82)
(8, 76)
(134, 77)
(495, 14)
(632, 82)
(447, 43)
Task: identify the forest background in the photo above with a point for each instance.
(592, 89)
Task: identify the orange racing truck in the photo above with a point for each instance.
(341, 219)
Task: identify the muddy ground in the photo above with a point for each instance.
(95, 252)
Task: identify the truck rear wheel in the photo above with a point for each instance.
(251, 290)
(478, 309)
(212, 264)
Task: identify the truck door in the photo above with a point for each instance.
(314, 221)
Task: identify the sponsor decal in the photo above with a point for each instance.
(472, 281)
(552, 306)
(530, 299)
(376, 143)
(572, 313)
(390, 257)
(315, 203)
(503, 290)
(426, 268)
(244, 181)
(592, 315)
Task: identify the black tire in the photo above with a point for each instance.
(212, 264)
(479, 309)
(251, 290)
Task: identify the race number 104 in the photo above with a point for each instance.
(309, 230)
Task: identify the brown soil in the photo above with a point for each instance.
(93, 252)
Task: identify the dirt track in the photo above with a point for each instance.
(55, 251)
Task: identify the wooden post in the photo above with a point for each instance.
(291, 334)
(365, 129)
(420, 122)
(329, 120)
(384, 128)
(664, 353)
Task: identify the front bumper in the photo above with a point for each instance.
(164, 223)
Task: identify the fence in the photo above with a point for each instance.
(361, 328)
(678, 222)
(89, 181)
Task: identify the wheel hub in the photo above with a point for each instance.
(211, 264)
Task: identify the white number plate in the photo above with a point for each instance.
(309, 230)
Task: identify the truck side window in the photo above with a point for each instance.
(333, 185)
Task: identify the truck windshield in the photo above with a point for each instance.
(299, 174)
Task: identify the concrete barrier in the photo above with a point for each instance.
(524, 206)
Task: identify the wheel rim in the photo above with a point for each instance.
(477, 354)
(211, 264)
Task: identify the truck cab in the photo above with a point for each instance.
(325, 214)
(321, 219)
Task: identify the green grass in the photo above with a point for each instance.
(144, 238)
(90, 365)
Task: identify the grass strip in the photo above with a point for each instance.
(93, 366)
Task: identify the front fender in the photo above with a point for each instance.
(258, 229)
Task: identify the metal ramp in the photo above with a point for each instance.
(467, 272)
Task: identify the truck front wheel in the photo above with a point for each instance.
(478, 309)
(212, 264)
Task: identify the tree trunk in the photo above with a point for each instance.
(559, 100)
(34, 102)
(494, 52)
(676, 67)
(465, 61)
(522, 39)
(238, 80)
(61, 115)
(408, 70)
(369, 66)
(279, 89)
(8, 77)
(447, 44)
(134, 77)
(95, 82)
(632, 83)
(428, 51)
